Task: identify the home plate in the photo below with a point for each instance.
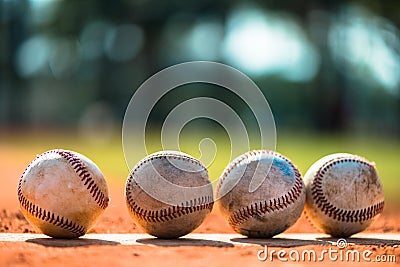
(213, 240)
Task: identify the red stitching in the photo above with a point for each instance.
(336, 213)
(172, 212)
(48, 216)
(81, 169)
(232, 165)
(164, 155)
(262, 207)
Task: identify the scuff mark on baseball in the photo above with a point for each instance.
(274, 206)
(62, 193)
(169, 194)
(344, 194)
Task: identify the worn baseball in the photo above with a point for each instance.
(271, 208)
(62, 193)
(169, 194)
(344, 194)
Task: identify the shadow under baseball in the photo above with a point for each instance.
(64, 243)
(189, 242)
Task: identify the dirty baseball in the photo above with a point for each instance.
(274, 206)
(169, 194)
(344, 194)
(62, 193)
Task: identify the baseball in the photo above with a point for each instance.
(271, 208)
(62, 193)
(169, 194)
(344, 194)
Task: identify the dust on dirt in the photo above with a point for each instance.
(116, 220)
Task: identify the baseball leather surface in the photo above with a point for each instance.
(344, 194)
(274, 206)
(62, 193)
(169, 194)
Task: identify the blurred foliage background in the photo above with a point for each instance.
(323, 65)
(330, 71)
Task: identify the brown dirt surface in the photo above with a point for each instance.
(152, 253)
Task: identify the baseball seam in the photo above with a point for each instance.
(329, 209)
(233, 164)
(86, 178)
(166, 155)
(172, 212)
(50, 217)
(268, 206)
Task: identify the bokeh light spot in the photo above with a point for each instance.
(266, 43)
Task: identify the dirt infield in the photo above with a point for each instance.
(227, 249)
(134, 249)
(248, 250)
(40, 251)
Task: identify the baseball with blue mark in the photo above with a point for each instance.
(284, 166)
(261, 193)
